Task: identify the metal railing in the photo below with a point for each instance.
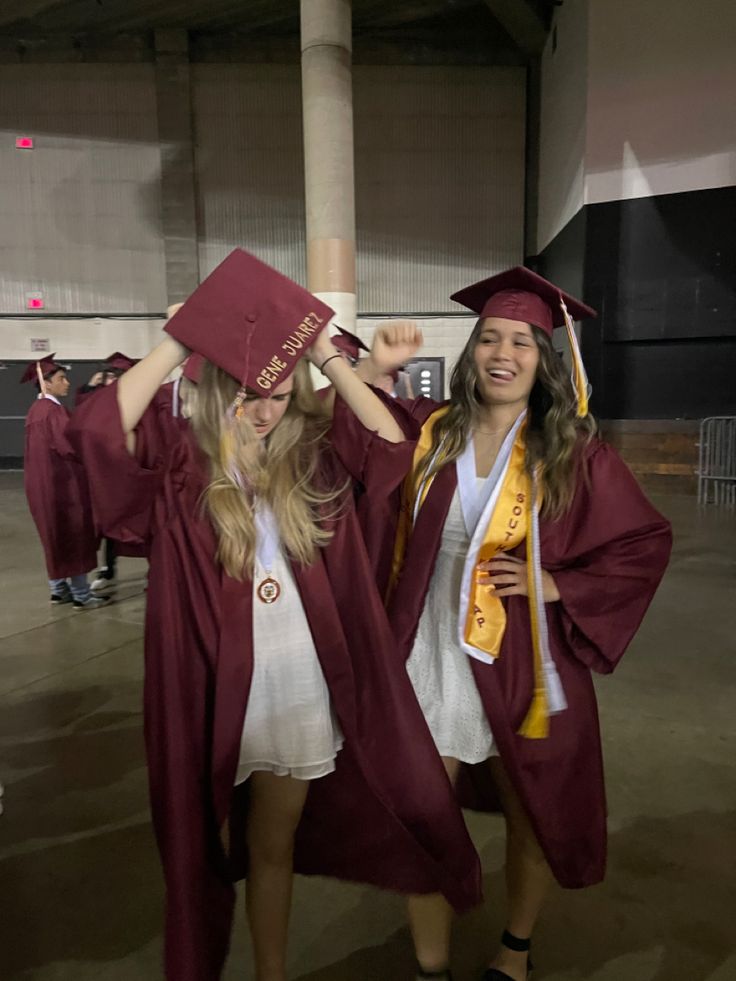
(717, 468)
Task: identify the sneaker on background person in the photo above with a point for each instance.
(104, 578)
(91, 603)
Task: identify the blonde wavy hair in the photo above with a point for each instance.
(281, 470)
(553, 433)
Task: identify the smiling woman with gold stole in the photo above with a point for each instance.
(274, 697)
(525, 555)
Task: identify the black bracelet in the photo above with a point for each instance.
(327, 361)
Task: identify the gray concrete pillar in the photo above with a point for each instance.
(178, 200)
(327, 95)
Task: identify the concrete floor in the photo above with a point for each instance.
(80, 890)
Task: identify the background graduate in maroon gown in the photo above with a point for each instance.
(116, 364)
(56, 487)
(602, 557)
(386, 815)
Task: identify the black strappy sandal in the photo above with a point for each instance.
(516, 944)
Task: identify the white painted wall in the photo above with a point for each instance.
(250, 164)
(439, 172)
(440, 188)
(80, 212)
(75, 339)
(661, 112)
(564, 84)
(639, 99)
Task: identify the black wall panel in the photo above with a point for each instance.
(667, 380)
(661, 271)
(16, 400)
(664, 267)
(562, 261)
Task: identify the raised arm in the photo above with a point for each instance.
(140, 383)
(393, 344)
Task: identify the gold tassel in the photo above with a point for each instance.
(579, 377)
(228, 436)
(536, 723)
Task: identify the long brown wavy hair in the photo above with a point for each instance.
(281, 470)
(553, 429)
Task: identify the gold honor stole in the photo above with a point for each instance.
(512, 521)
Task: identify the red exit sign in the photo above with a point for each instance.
(24, 143)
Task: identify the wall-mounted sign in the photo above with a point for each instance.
(427, 377)
(40, 344)
(24, 143)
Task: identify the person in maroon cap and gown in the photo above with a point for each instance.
(524, 558)
(56, 489)
(396, 382)
(272, 698)
(349, 346)
(115, 365)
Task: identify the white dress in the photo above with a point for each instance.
(439, 669)
(290, 728)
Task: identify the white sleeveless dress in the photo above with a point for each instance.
(439, 669)
(290, 728)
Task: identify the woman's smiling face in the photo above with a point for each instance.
(506, 358)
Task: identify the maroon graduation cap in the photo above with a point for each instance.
(47, 365)
(520, 294)
(251, 321)
(120, 362)
(349, 344)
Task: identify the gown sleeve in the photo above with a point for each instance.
(619, 546)
(421, 407)
(83, 393)
(371, 461)
(123, 487)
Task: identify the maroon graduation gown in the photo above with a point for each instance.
(387, 815)
(156, 427)
(57, 492)
(83, 392)
(607, 555)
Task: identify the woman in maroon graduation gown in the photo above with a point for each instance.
(526, 556)
(270, 663)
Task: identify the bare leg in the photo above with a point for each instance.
(528, 876)
(276, 805)
(430, 917)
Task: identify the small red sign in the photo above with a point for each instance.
(24, 143)
(35, 303)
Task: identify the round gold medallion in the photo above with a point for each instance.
(268, 591)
